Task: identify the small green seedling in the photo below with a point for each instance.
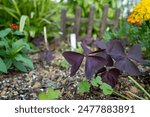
(106, 88)
(51, 94)
(96, 81)
(84, 86)
(63, 64)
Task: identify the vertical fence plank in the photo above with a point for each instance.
(63, 24)
(116, 19)
(103, 21)
(76, 28)
(91, 20)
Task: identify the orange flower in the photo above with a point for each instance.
(140, 13)
(134, 20)
(14, 26)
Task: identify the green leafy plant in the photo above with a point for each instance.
(134, 34)
(124, 31)
(40, 13)
(50, 94)
(85, 5)
(142, 37)
(84, 86)
(13, 51)
(107, 89)
(96, 81)
(137, 18)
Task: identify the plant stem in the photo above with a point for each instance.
(136, 95)
(120, 95)
(137, 84)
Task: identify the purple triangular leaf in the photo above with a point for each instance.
(115, 49)
(103, 54)
(86, 49)
(109, 61)
(98, 52)
(127, 66)
(88, 39)
(107, 57)
(111, 77)
(75, 59)
(135, 53)
(101, 70)
(99, 44)
(92, 65)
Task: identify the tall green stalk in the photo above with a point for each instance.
(140, 87)
(120, 95)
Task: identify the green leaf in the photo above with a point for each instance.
(16, 7)
(96, 81)
(5, 32)
(25, 59)
(84, 86)
(107, 89)
(62, 63)
(19, 66)
(2, 43)
(107, 36)
(51, 94)
(114, 3)
(32, 33)
(22, 22)
(43, 96)
(12, 12)
(3, 67)
(5, 42)
(8, 63)
(18, 33)
(2, 52)
(14, 51)
(20, 43)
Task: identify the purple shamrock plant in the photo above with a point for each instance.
(109, 60)
(46, 55)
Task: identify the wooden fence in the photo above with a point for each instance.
(103, 22)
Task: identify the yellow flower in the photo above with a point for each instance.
(140, 13)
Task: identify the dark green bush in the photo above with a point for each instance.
(40, 13)
(13, 51)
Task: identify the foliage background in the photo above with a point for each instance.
(40, 13)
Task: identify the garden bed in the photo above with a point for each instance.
(27, 86)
